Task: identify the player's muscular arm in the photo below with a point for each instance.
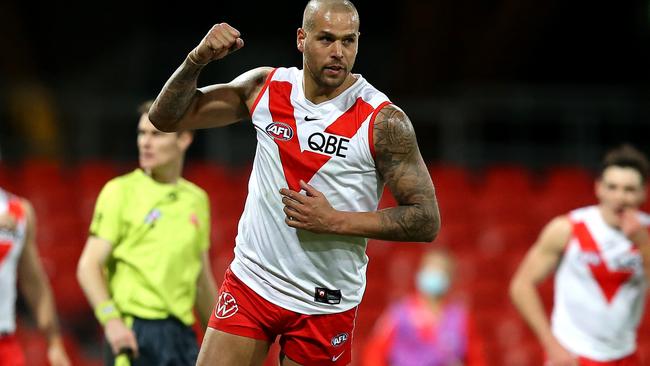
(34, 283)
(398, 159)
(91, 277)
(539, 262)
(35, 287)
(176, 98)
(181, 105)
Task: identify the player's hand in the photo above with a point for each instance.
(310, 211)
(221, 40)
(558, 356)
(56, 354)
(632, 228)
(120, 337)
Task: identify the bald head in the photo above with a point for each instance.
(319, 7)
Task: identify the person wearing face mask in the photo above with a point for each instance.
(600, 256)
(426, 328)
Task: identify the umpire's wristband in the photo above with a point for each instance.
(106, 311)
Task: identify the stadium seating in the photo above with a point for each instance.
(490, 218)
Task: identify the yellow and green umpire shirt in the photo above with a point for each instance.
(159, 233)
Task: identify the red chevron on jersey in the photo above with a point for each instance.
(5, 247)
(609, 281)
(328, 145)
(299, 164)
(16, 209)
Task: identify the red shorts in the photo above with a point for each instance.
(10, 352)
(631, 360)
(307, 339)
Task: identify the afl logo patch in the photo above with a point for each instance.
(280, 131)
(226, 306)
(339, 339)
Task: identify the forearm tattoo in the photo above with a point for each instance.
(175, 97)
(400, 164)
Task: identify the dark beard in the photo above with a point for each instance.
(324, 82)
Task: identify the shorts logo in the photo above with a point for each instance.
(226, 306)
(336, 358)
(339, 339)
(280, 131)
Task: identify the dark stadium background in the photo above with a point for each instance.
(513, 102)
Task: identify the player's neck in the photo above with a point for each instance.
(609, 217)
(316, 93)
(166, 174)
(434, 303)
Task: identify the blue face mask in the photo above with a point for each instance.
(432, 282)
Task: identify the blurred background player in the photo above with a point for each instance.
(600, 255)
(19, 257)
(427, 328)
(300, 258)
(145, 265)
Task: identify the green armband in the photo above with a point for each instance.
(106, 311)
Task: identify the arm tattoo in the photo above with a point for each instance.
(400, 164)
(175, 97)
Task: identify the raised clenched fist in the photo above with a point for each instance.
(221, 40)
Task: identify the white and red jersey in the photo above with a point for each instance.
(330, 146)
(11, 246)
(599, 289)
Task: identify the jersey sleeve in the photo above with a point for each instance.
(106, 222)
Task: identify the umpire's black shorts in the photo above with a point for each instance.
(161, 342)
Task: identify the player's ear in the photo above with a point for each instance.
(300, 39)
(599, 188)
(185, 139)
(643, 196)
